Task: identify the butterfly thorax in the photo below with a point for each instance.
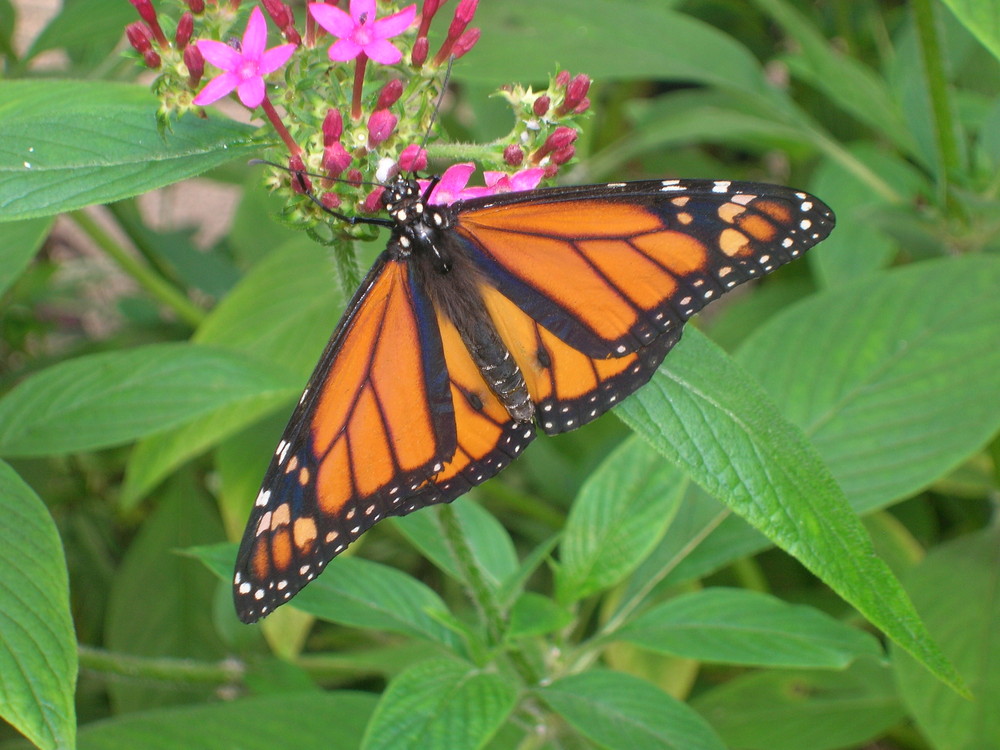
(418, 224)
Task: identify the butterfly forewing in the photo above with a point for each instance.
(587, 289)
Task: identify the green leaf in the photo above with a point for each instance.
(38, 663)
(160, 603)
(21, 240)
(982, 18)
(622, 512)
(622, 712)
(111, 398)
(440, 705)
(488, 539)
(895, 385)
(283, 311)
(263, 723)
(359, 593)
(749, 628)
(534, 614)
(795, 709)
(957, 590)
(69, 144)
(706, 415)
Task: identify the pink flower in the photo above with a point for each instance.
(501, 182)
(243, 70)
(452, 185)
(360, 32)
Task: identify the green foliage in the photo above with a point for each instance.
(601, 592)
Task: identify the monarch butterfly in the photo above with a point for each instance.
(483, 320)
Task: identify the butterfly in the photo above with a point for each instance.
(483, 321)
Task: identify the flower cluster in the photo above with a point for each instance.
(359, 100)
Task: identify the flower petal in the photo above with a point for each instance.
(220, 55)
(255, 37)
(363, 8)
(344, 49)
(275, 57)
(395, 24)
(251, 92)
(527, 179)
(334, 20)
(382, 51)
(217, 88)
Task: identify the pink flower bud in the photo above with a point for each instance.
(197, 6)
(335, 159)
(562, 79)
(465, 42)
(152, 59)
(583, 106)
(550, 171)
(380, 126)
(576, 90)
(333, 127)
(330, 200)
(419, 55)
(354, 177)
(413, 158)
(513, 155)
(560, 138)
(291, 34)
(463, 15)
(300, 182)
(373, 201)
(390, 94)
(541, 105)
(185, 26)
(139, 36)
(427, 15)
(195, 63)
(278, 12)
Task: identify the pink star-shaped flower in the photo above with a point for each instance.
(243, 70)
(360, 31)
(501, 182)
(452, 185)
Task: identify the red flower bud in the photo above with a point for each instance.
(427, 15)
(335, 159)
(541, 105)
(550, 171)
(148, 14)
(354, 177)
(465, 42)
(373, 201)
(195, 63)
(563, 155)
(583, 106)
(413, 158)
(560, 138)
(300, 182)
(333, 127)
(390, 94)
(152, 59)
(278, 12)
(513, 155)
(419, 55)
(562, 79)
(330, 200)
(139, 36)
(575, 93)
(197, 6)
(380, 126)
(185, 26)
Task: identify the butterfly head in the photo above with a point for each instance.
(418, 223)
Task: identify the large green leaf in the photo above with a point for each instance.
(38, 661)
(69, 144)
(111, 398)
(303, 719)
(21, 241)
(621, 513)
(440, 705)
(982, 18)
(705, 414)
(622, 712)
(957, 589)
(750, 628)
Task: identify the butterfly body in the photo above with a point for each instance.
(487, 318)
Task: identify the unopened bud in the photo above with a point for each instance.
(413, 158)
(513, 155)
(330, 200)
(354, 177)
(300, 182)
(563, 155)
(185, 27)
(333, 127)
(139, 36)
(335, 159)
(562, 79)
(389, 94)
(541, 105)
(148, 14)
(463, 15)
(380, 126)
(197, 6)
(195, 63)
(419, 55)
(465, 42)
(373, 201)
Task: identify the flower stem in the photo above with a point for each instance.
(279, 126)
(937, 89)
(359, 81)
(149, 280)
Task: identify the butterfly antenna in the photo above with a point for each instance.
(437, 105)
